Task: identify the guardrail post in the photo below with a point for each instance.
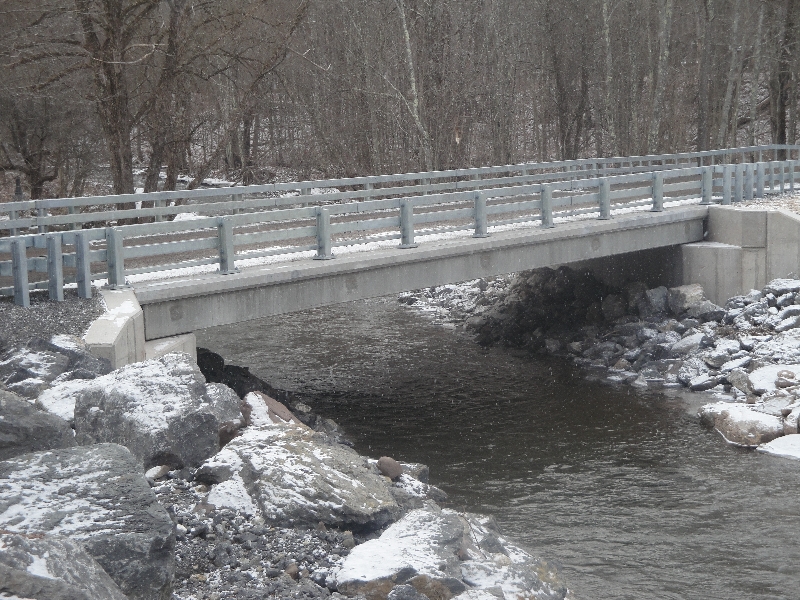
(726, 184)
(782, 177)
(658, 191)
(748, 181)
(71, 211)
(83, 265)
(305, 191)
(227, 253)
(12, 215)
(707, 184)
(158, 204)
(547, 206)
(772, 175)
(115, 258)
(738, 182)
(237, 198)
(791, 175)
(19, 267)
(55, 268)
(407, 224)
(604, 192)
(323, 234)
(760, 180)
(481, 222)
(41, 213)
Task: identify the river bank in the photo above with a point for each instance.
(179, 486)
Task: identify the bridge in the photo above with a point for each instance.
(268, 250)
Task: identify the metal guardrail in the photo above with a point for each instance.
(322, 228)
(234, 199)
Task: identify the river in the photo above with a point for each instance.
(622, 488)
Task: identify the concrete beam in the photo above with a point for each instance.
(183, 305)
(179, 343)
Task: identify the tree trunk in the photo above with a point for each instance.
(664, 30)
(704, 79)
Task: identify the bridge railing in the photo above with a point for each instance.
(218, 243)
(76, 213)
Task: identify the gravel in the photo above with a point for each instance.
(46, 319)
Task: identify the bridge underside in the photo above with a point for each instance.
(187, 304)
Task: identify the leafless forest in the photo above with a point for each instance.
(103, 89)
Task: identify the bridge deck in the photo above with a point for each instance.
(183, 305)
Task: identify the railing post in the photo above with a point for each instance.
(773, 180)
(323, 234)
(83, 265)
(481, 222)
(726, 184)
(748, 181)
(158, 204)
(12, 216)
(658, 191)
(115, 258)
(791, 164)
(305, 191)
(55, 268)
(71, 211)
(707, 184)
(407, 224)
(237, 198)
(19, 267)
(760, 180)
(782, 177)
(738, 183)
(547, 206)
(227, 253)
(604, 193)
(41, 213)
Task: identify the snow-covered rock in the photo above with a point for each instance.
(265, 410)
(161, 410)
(779, 287)
(299, 477)
(688, 344)
(52, 568)
(29, 370)
(24, 428)
(782, 348)
(445, 553)
(97, 496)
(741, 425)
(763, 379)
(787, 446)
(683, 297)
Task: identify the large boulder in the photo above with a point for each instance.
(97, 496)
(682, 298)
(300, 477)
(162, 410)
(764, 379)
(779, 287)
(52, 568)
(787, 446)
(24, 428)
(442, 553)
(741, 425)
(29, 370)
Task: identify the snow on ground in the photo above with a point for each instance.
(787, 446)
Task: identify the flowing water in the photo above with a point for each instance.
(624, 489)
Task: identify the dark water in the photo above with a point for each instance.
(624, 489)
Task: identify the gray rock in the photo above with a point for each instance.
(681, 298)
(94, 494)
(741, 381)
(785, 300)
(655, 302)
(24, 428)
(52, 568)
(299, 477)
(613, 307)
(160, 409)
(389, 467)
(691, 368)
(788, 323)
(405, 592)
(753, 296)
(704, 382)
(741, 425)
(706, 311)
(688, 344)
(779, 287)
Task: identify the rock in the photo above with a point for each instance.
(706, 311)
(440, 553)
(764, 378)
(613, 307)
(634, 293)
(752, 296)
(24, 428)
(791, 423)
(52, 568)
(654, 302)
(741, 425)
(688, 344)
(703, 382)
(389, 467)
(94, 494)
(741, 381)
(299, 477)
(681, 298)
(779, 287)
(30, 370)
(787, 446)
(782, 348)
(788, 323)
(211, 365)
(691, 368)
(268, 411)
(160, 409)
(405, 592)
